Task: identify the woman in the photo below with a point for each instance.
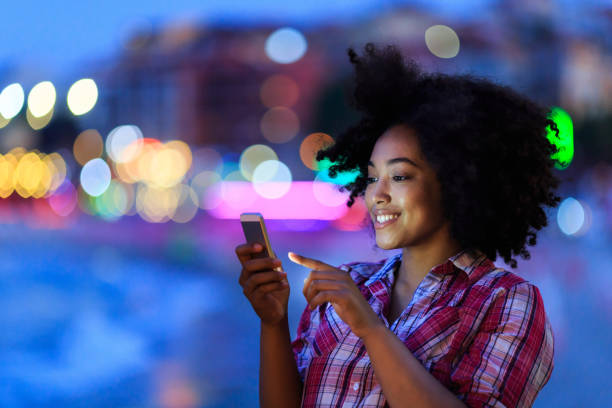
(454, 171)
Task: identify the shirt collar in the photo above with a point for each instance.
(470, 262)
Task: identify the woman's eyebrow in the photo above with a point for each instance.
(397, 160)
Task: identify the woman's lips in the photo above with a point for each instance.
(383, 224)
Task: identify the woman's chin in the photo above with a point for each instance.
(386, 244)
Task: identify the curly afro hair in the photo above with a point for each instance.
(486, 142)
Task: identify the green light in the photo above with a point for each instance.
(565, 142)
(342, 178)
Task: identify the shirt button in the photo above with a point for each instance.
(355, 385)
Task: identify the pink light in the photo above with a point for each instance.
(299, 203)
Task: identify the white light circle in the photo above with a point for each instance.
(442, 41)
(95, 177)
(570, 216)
(286, 45)
(119, 139)
(82, 96)
(41, 99)
(272, 179)
(11, 101)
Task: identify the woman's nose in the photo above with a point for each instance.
(381, 193)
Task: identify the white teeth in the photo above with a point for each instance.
(384, 218)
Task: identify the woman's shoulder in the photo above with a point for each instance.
(502, 286)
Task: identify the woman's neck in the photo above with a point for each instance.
(417, 261)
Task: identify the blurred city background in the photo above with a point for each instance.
(132, 135)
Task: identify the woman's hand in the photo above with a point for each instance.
(266, 288)
(328, 284)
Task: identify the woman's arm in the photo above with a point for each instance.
(279, 381)
(404, 380)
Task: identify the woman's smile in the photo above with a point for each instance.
(383, 220)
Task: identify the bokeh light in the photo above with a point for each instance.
(298, 204)
(565, 141)
(570, 216)
(95, 177)
(279, 90)
(116, 200)
(87, 146)
(37, 123)
(41, 99)
(82, 96)
(310, 147)
(4, 121)
(207, 186)
(252, 156)
(31, 176)
(155, 204)
(272, 179)
(286, 45)
(119, 139)
(442, 41)
(8, 163)
(64, 199)
(187, 205)
(11, 101)
(59, 169)
(354, 219)
(328, 193)
(279, 125)
(233, 191)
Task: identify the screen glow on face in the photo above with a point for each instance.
(565, 141)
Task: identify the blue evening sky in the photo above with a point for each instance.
(48, 38)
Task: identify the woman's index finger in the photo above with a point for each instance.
(308, 262)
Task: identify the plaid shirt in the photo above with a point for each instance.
(479, 330)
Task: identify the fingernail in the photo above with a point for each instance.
(257, 247)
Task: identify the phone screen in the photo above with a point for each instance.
(255, 232)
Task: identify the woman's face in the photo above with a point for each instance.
(403, 193)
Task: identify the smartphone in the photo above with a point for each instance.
(255, 232)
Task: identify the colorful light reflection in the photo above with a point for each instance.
(298, 204)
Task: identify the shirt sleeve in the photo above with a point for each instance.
(301, 345)
(511, 357)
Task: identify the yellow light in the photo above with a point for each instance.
(56, 162)
(41, 99)
(82, 96)
(156, 204)
(38, 123)
(442, 41)
(252, 156)
(3, 121)
(7, 169)
(28, 174)
(87, 146)
(46, 176)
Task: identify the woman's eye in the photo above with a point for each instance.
(370, 180)
(401, 178)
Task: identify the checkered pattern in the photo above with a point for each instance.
(480, 330)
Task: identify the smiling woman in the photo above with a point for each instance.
(454, 171)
